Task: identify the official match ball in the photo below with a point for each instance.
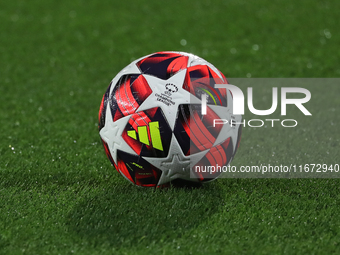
(157, 120)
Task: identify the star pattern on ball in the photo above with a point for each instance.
(176, 164)
(178, 167)
(158, 87)
(111, 133)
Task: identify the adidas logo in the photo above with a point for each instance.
(155, 135)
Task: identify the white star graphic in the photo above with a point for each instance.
(158, 88)
(176, 168)
(176, 164)
(112, 132)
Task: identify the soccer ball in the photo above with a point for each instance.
(154, 128)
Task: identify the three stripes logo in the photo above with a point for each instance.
(143, 136)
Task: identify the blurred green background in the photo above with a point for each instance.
(58, 192)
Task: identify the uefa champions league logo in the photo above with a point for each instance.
(171, 88)
(238, 105)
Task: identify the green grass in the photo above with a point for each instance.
(59, 193)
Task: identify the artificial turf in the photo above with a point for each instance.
(60, 195)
